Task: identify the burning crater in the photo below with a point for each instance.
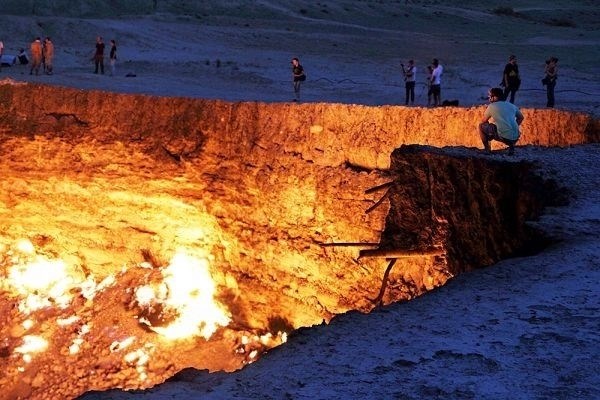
(140, 236)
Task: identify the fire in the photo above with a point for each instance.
(31, 344)
(183, 300)
(186, 293)
(40, 281)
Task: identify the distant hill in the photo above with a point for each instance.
(74, 8)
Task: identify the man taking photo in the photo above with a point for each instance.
(506, 116)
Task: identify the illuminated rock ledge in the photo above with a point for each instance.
(125, 217)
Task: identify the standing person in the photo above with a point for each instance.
(36, 56)
(436, 82)
(113, 56)
(507, 119)
(551, 72)
(99, 55)
(511, 80)
(298, 77)
(44, 56)
(429, 90)
(409, 81)
(48, 55)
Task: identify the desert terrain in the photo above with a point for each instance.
(522, 328)
(351, 50)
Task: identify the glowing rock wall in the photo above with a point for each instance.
(276, 198)
(273, 181)
(325, 134)
(278, 180)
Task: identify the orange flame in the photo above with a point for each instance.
(187, 291)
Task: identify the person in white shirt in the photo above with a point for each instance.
(436, 82)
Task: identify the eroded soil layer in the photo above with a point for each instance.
(282, 204)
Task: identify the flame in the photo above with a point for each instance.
(140, 359)
(119, 345)
(31, 344)
(40, 281)
(44, 282)
(187, 291)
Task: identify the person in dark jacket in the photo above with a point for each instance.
(99, 55)
(298, 77)
(511, 80)
(551, 73)
(22, 57)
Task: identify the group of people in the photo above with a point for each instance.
(98, 57)
(511, 80)
(42, 56)
(506, 116)
(501, 119)
(410, 79)
(434, 82)
(501, 110)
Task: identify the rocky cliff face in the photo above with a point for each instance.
(300, 211)
(324, 134)
(475, 209)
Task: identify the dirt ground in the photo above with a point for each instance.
(351, 51)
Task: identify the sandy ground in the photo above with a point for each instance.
(351, 50)
(525, 328)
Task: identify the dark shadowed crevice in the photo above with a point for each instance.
(476, 208)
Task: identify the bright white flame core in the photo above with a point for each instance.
(48, 279)
(188, 288)
(43, 282)
(31, 344)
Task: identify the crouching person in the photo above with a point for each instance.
(506, 116)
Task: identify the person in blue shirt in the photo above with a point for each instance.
(507, 118)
